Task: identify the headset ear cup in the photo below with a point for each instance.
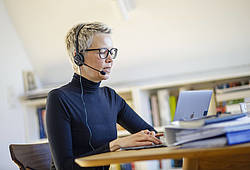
(79, 59)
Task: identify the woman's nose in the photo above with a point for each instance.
(109, 59)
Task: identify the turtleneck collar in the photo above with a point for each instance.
(88, 86)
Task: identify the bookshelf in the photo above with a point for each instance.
(233, 95)
(138, 96)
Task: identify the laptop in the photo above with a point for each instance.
(193, 104)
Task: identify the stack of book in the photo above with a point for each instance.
(41, 112)
(209, 132)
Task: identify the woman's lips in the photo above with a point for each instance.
(107, 69)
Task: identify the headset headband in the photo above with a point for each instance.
(76, 42)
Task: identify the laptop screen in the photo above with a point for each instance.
(192, 104)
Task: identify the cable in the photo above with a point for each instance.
(86, 116)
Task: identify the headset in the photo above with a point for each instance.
(78, 57)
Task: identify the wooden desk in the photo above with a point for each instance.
(231, 157)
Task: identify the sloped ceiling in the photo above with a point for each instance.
(159, 37)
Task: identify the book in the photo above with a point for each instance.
(115, 167)
(163, 100)
(155, 111)
(211, 142)
(230, 138)
(41, 119)
(126, 166)
(132, 165)
(233, 108)
(44, 121)
(176, 135)
(195, 123)
(172, 104)
(237, 137)
(184, 136)
(176, 163)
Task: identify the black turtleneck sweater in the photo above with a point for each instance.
(67, 121)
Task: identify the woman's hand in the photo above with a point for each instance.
(142, 138)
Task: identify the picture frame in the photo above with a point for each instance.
(29, 81)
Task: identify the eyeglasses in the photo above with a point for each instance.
(104, 52)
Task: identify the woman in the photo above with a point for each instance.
(81, 116)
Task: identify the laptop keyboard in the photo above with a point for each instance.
(144, 147)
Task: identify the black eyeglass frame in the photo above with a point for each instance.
(106, 49)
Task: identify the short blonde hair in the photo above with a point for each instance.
(85, 38)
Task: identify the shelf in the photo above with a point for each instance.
(233, 89)
(37, 93)
(42, 140)
(45, 140)
(233, 95)
(35, 102)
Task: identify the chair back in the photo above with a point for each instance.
(31, 156)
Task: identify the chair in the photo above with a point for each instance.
(31, 156)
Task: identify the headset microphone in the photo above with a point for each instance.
(102, 72)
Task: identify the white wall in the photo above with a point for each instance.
(13, 61)
(169, 38)
(161, 38)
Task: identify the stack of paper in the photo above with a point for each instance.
(209, 132)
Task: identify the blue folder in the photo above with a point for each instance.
(238, 137)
